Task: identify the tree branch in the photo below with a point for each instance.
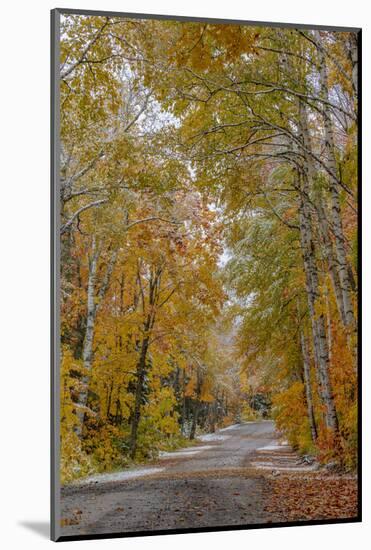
(68, 224)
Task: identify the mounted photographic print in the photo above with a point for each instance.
(205, 194)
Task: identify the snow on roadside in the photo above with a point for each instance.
(119, 476)
(176, 454)
(141, 472)
(279, 447)
(216, 435)
(273, 466)
(184, 452)
(280, 457)
(232, 427)
(213, 437)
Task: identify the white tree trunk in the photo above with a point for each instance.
(341, 256)
(308, 387)
(321, 214)
(87, 353)
(353, 55)
(320, 343)
(94, 300)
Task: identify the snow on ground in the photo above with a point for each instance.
(233, 426)
(213, 437)
(184, 452)
(216, 435)
(281, 468)
(140, 472)
(120, 476)
(175, 454)
(272, 448)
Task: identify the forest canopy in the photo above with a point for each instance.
(208, 203)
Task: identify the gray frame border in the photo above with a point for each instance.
(55, 532)
(190, 19)
(55, 278)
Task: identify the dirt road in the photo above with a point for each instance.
(207, 485)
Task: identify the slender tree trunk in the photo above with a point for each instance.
(318, 322)
(308, 387)
(93, 303)
(342, 261)
(87, 354)
(196, 410)
(184, 409)
(328, 322)
(153, 297)
(321, 214)
(118, 408)
(330, 258)
(109, 399)
(213, 416)
(196, 405)
(141, 373)
(353, 56)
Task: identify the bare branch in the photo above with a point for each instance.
(68, 224)
(67, 72)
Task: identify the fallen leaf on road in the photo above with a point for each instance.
(296, 498)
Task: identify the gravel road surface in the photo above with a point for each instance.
(208, 485)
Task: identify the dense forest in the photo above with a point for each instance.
(208, 203)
